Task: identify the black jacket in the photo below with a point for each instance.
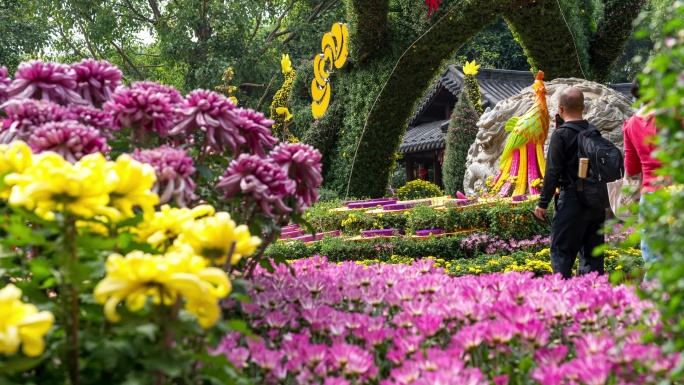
(562, 162)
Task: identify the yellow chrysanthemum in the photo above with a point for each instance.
(134, 182)
(139, 277)
(14, 158)
(286, 64)
(96, 226)
(470, 68)
(284, 111)
(22, 324)
(212, 237)
(53, 185)
(164, 226)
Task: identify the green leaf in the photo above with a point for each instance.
(266, 264)
(239, 326)
(50, 282)
(205, 172)
(526, 364)
(93, 242)
(21, 364)
(148, 330)
(163, 364)
(40, 268)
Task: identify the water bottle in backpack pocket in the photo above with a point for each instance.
(605, 165)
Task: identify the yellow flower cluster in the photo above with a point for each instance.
(164, 279)
(226, 88)
(164, 226)
(419, 188)
(537, 183)
(200, 230)
(351, 219)
(279, 111)
(22, 324)
(212, 238)
(93, 187)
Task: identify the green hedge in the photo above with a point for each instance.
(505, 221)
(460, 136)
(338, 250)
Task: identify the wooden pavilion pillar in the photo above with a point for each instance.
(409, 167)
(437, 170)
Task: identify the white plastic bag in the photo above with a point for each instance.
(623, 193)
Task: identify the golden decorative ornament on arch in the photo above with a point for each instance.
(335, 53)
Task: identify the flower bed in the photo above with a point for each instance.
(398, 324)
(503, 220)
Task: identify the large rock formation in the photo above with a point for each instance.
(604, 107)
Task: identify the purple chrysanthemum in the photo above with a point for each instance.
(70, 139)
(175, 97)
(25, 115)
(214, 114)
(173, 169)
(256, 130)
(96, 80)
(90, 116)
(302, 163)
(5, 82)
(143, 110)
(262, 179)
(45, 81)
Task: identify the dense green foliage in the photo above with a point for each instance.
(21, 30)
(662, 86)
(460, 135)
(190, 43)
(382, 86)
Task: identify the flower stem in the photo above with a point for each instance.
(257, 258)
(227, 266)
(71, 302)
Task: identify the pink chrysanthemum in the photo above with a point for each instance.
(173, 169)
(45, 81)
(175, 97)
(96, 80)
(5, 82)
(102, 120)
(302, 163)
(143, 110)
(70, 139)
(256, 129)
(215, 115)
(25, 115)
(261, 179)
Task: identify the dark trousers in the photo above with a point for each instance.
(575, 228)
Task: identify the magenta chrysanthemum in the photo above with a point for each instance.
(256, 130)
(142, 109)
(214, 114)
(25, 115)
(45, 81)
(173, 169)
(261, 179)
(70, 139)
(302, 163)
(5, 82)
(90, 116)
(96, 80)
(175, 97)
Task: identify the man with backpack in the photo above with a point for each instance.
(580, 207)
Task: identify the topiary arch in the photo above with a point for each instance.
(396, 53)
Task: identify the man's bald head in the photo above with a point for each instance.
(572, 101)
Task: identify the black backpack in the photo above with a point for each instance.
(605, 165)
